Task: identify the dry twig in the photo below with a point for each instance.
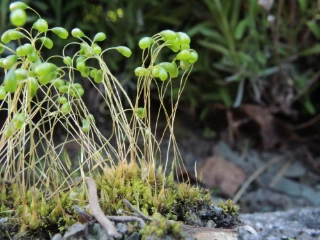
(128, 219)
(125, 201)
(97, 212)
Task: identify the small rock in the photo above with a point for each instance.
(293, 224)
(295, 170)
(57, 236)
(304, 236)
(122, 228)
(77, 231)
(293, 188)
(3, 220)
(134, 236)
(211, 224)
(99, 232)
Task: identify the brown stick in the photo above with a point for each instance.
(125, 201)
(97, 212)
(128, 219)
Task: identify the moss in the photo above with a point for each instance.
(229, 208)
(151, 192)
(161, 227)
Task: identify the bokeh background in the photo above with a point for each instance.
(256, 81)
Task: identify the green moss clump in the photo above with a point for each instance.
(229, 207)
(160, 227)
(150, 191)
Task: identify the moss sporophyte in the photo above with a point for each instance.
(39, 183)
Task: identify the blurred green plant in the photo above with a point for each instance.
(262, 55)
(248, 53)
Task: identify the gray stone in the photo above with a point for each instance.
(134, 236)
(76, 231)
(295, 170)
(296, 224)
(293, 188)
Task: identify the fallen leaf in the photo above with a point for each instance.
(217, 172)
(264, 118)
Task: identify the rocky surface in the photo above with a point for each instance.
(295, 224)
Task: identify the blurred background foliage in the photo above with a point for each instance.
(249, 52)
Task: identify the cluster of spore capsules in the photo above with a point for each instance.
(26, 69)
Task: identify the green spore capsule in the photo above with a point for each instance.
(15, 35)
(5, 37)
(90, 117)
(184, 65)
(184, 55)
(98, 76)
(145, 42)
(41, 25)
(77, 33)
(99, 37)
(1, 62)
(32, 85)
(125, 51)
(80, 66)
(85, 72)
(24, 50)
(21, 74)
(45, 79)
(141, 72)
(10, 81)
(61, 32)
(85, 126)
(184, 38)
(65, 108)
(9, 61)
(67, 60)
(155, 71)
(45, 68)
(10, 129)
(163, 74)
(194, 57)
(141, 112)
(97, 50)
(47, 42)
(33, 56)
(168, 34)
(185, 46)
(58, 83)
(3, 93)
(62, 100)
(18, 17)
(18, 5)
(19, 120)
(63, 89)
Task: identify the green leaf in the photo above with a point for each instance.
(244, 58)
(225, 96)
(260, 57)
(215, 47)
(303, 5)
(314, 27)
(240, 29)
(197, 28)
(239, 93)
(309, 107)
(213, 35)
(311, 51)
